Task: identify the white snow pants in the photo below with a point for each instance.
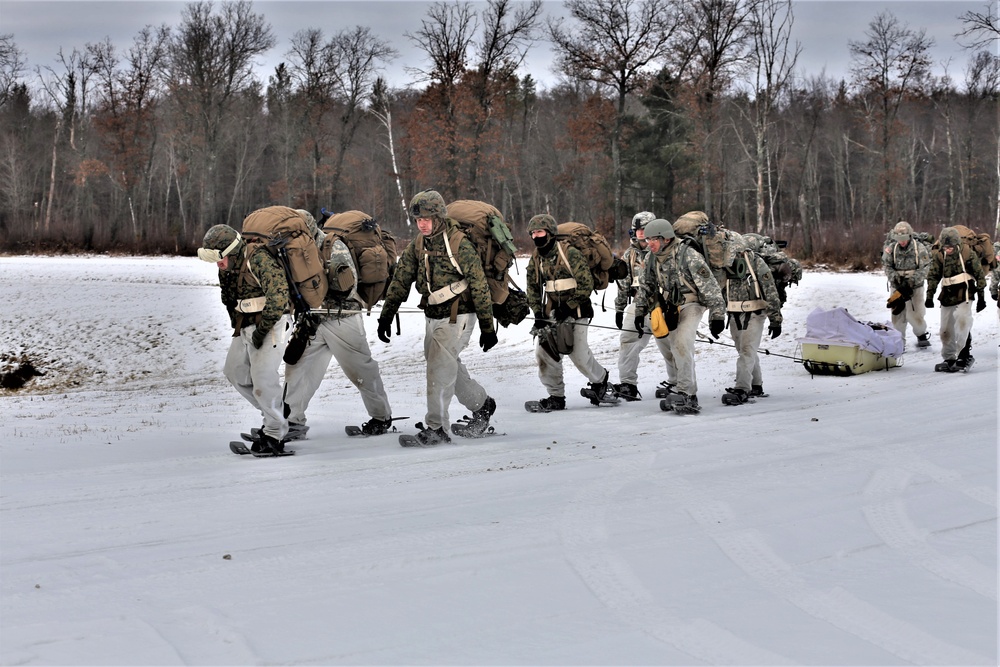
(632, 345)
(343, 339)
(747, 341)
(956, 323)
(550, 371)
(255, 374)
(447, 376)
(913, 315)
(681, 342)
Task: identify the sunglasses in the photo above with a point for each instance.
(212, 255)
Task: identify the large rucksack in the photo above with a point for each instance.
(978, 243)
(485, 228)
(372, 248)
(283, 233)
(717, 244)
(604, 266)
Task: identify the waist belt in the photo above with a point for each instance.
(905, 272)
(954, 280)
(254, 305)
(746, 306)
(447, 292)
(560, 285)
(689, 297)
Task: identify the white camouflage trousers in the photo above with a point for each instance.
(550, 371)
(342, 339)
(747, 341)
(681, 342)
(956, 323)
(632, 345)
(447, 376)
(913, 315)
(255, 374)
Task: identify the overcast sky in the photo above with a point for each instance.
(823, 27)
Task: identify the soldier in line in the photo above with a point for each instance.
(960, 273)
(450, 278)
(559, 287)
(255, 294)
(906, 263)
(679, 280)
(995, 278)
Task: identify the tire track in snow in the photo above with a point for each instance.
(890, 521)
(748, 549)
(583, 532)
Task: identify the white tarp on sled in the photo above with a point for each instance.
(837, 344)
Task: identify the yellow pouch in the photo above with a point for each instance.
(658, 323)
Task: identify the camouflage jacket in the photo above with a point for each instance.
(258, 275)
(995, 284)
(414, 267)
(338, 303)
(742, 293)
(906, 267)
(679, 275)
(552, 267)
(635, 257)
(944, 267)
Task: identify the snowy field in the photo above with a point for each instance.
(841, 521)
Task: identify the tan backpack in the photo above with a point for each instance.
(718, 245)
(484, 226)
(979, 243)
(595, 248)
(283, 233)
(372, 248)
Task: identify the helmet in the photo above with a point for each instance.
(428, 204)
(901, 232)
(659, 228)
(950, 237)
(220, 241)
(545, 222)
(310, 222)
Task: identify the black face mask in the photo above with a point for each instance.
(540, 241)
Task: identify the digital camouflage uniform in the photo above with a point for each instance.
(253, 274)
(751, 297)
(449, 324)
(558, 264)
(784, 269)
(341, 336)
(683, 278)
(906, 262)
(995, 278)
(962, 278)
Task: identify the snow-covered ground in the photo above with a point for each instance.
(846, 521)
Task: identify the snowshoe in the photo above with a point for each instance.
(947, 366)
(425, 437)
(664, 389)
(757, 391)
(627, 391)
(734, 396)
(924, 341)
(600, 392)
(258, 451)
(683, 404)
(295, 432)
(547, 404)
(965, 364)
(479, 423)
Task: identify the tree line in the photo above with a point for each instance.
(663, 105)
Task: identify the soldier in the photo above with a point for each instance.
(995, 277)
(255, 294)
(633, 342)
(339, 334)
(960, 274)
(906, 262)
(751, 296)
(784, 269)
(678, 279)
(559, 287)
(450, 278)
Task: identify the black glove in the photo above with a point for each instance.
(929, 302)
(716, 327)
(981, 302)
(619, 319)
(640, 320)
(487, 340)
(774, 329)
(258, 338)
(906, 292)
(541, 322)
(384, 329)
(587, 310)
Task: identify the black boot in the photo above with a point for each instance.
(924, 340)
(757, 391)
(550, 403)
(627, 391)
(431, 436)
(599, 389)
(376, 426)
(480, 419)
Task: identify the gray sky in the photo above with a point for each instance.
(823, 27)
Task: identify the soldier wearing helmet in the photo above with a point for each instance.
(559, 287)
(958, 270)
(449, 276)
(906, 263)
(680, 281)
(255, 294)
(995, 277)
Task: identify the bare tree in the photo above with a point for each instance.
(890, 66)
(12, 66)
(981, 28)
(616, 44)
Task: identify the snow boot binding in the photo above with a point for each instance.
(734, 396)
(964, 363)
(924, 340)
(479, 423)
(428, 437)
(664, 389)
(947, 366)
(295, 432)
(681, 403)
(627, 391)
(376, 426)
(547, 404)
(263, 446)
(600, 392)
(757, 391)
